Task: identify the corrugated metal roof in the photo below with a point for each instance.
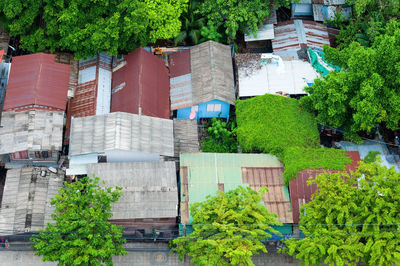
(271, 75)
(277, 199)
(266, 32)
(181, 92)
(202, 172)
(326, 12)
(186, 136)
(300, 192)
(212, 73)
(179, 63)
(121, 131)
(329, 2)
(31, 130)
(37, 81)
(149, 188)
(26, 200)
(291, 36)
(141, 86)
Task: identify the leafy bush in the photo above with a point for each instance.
(221, 137)
(371, 156)
(277, 125)
(297, 159)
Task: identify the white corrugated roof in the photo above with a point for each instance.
(121, 131)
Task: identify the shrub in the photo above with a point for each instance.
(220, 138)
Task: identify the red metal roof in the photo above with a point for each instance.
(300, 192)
(143, 83)
(179, 63)
(37, 81)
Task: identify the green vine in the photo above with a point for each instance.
(221, 137)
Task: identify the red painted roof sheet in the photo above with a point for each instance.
(37, 81)
(300, 192)
(146, 86)
(179, 63)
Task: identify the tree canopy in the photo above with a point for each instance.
(351, 219)
(86, 27)
(228, 228)
(366, 93)
(230, 16)
(82, 234)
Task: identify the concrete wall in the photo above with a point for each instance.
(140, 254)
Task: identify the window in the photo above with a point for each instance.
(214, 107)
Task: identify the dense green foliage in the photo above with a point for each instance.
(366, 93)
(230, 16)
(192, 24)
(371, 156)
(368, 21)
(277, 125)
(82, 234)
(351, 219)
(220, 138)
(228, 228)
(87, 27)
(297, 159)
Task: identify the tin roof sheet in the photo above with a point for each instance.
(201, 173)
(292, 35)
(300, 192)
(31, 130)
(179, 63)
(36, 80)
(121, 131)
(186, 136)
(27, 200)
(141, 86)
(261, 75)
(149, 188)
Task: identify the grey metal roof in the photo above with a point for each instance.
(31, 130)
(212, 73)
(186, 136)
(27, 197)
(121, 131)
(149, 188)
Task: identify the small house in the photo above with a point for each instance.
(26, 203)
(118, 137)
(140, 85)
(201, 81)
(203, 174)
(148, 206)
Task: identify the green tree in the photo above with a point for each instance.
(221, 137)
(87, 27)
(366, 93)
(192, 23)
(82, 234)
(231, 16)
(351, 219)
(228, 228)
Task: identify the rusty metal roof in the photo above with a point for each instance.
(300, 192)
(277, 199)
(180, 80)
(37, 81)
(292, 35)
(179, 63)
(141, 85)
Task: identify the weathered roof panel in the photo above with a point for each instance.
(186, 136)
(31, 130)
(149, 188)
(141, 86)
(37, 81)
(179, 63)
(122, 131)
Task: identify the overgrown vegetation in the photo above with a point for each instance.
(351, 220)
(371, 156)
(228, 228)
(277, 125)
(221, 137)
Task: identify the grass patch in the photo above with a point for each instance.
(278, 126)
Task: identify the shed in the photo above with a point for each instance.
(266, 73)
(292, 35)
(205, 89)
(37, 82)
(301, 193)
(204, 174)
(140, 85)
(118, 137)
(31, 135)
(186, 136)
(26, 200)
(150, 193)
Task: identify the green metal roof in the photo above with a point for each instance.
(206, 170)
